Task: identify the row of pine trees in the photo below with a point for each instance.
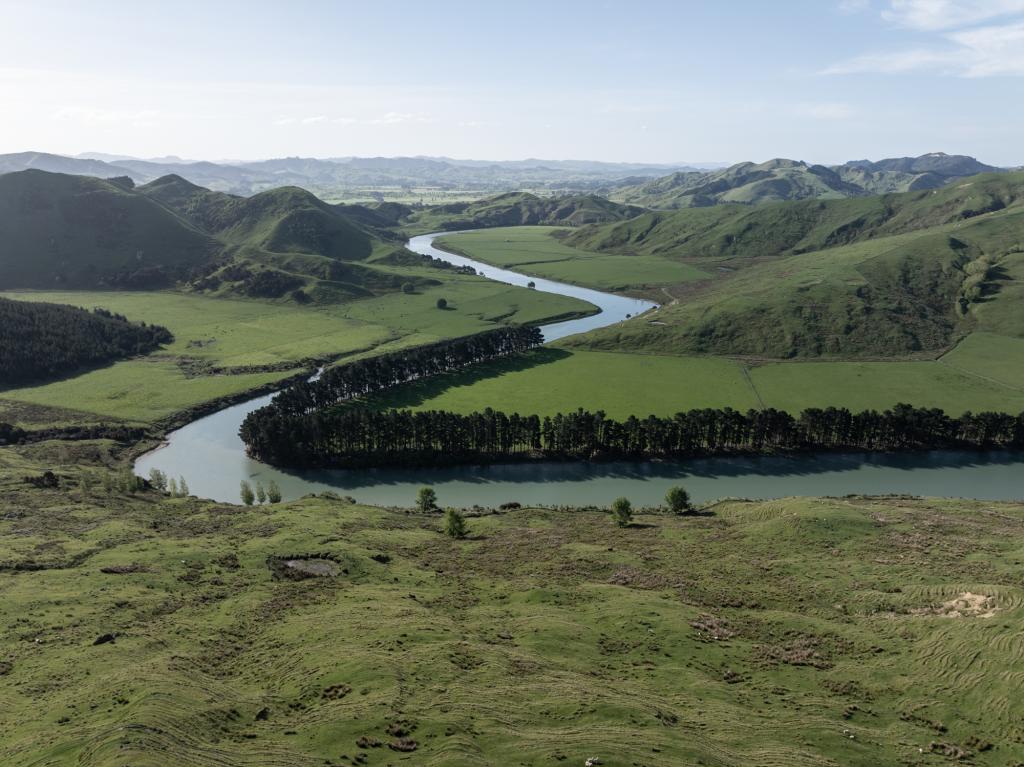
(356, 436)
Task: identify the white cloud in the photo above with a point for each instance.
(935, 15)
(980, 52)
(314, 120)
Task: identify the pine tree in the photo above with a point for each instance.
(455, 524)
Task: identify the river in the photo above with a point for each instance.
(210, 455)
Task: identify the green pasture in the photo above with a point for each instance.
(533, 250)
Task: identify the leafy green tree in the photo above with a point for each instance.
(182, 488)
(426, 499)
(172, 487)
(248, 496)
(455, 524)
(273, 492)
(678, 500)
(158, 480)
(622, 512)
(261, 493)
(442, 303)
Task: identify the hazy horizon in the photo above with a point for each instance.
(823, 81)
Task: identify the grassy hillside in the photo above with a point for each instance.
(287, 220)
(518, 209)
(144, 630)
(780, 180)
(75, 231)
(735, 232)
(879, 277)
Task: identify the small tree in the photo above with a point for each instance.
(408, 288)
(426, 499)
(273, 492)
(442, 303)
(261, 493)
(172, 487)
(158, 480)
(678, 500)
(455, 524)
(182, 487)
(531, 284)
(248, 497)
(622, 512)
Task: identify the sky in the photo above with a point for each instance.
(642, 81)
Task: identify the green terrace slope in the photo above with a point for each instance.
(782, 180)
(147, 630)
(726, 232)
(896, 295)
(75, 231)
(518, 209)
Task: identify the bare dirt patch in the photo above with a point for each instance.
(967, 605)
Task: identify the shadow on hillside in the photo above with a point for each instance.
(416, 393)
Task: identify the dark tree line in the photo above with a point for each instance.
(40, 341)
(359, 436)
(375, 374)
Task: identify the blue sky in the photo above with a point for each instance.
(822, 80)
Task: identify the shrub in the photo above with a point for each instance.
(622, 512)
(678, 500)
(273, 492)
(442, 303)
(426, 499)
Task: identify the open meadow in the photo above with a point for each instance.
(140, 629)
(227, 346)
(533, 250)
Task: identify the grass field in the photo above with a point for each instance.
(561, 380)
(852, 632)
(532, 250)
(550, 381)
(226, 333)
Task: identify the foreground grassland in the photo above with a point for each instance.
(533, 250)
(794, 632)
(226, 346)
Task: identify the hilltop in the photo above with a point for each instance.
(783, 180)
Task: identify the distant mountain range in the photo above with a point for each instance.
(782, 180)
(334, 176)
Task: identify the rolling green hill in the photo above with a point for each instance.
(64, 231)
(749, 233)
(916, 292)
(76, 231)
(283, 220)
(518, 209)
(784, 180)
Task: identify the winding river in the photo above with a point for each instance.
(211, 456)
